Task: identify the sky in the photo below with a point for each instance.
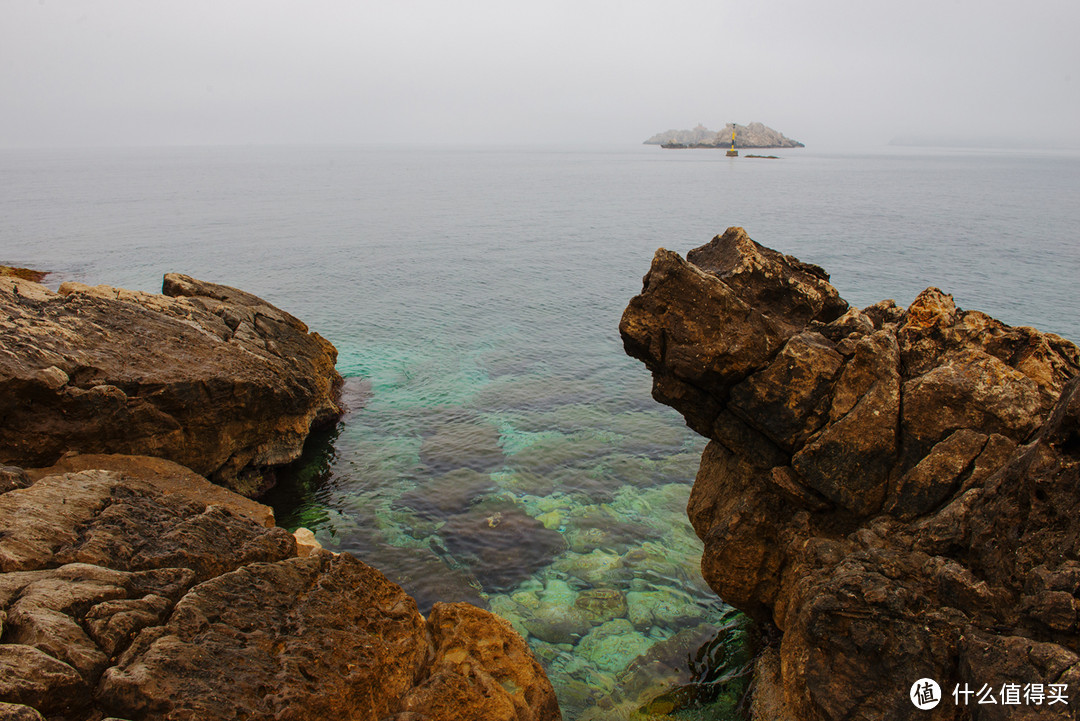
(828, 72)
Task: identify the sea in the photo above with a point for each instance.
(499, 447)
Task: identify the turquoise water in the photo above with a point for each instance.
(500, 447)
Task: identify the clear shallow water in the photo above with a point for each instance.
(501, 448)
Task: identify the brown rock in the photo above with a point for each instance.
(698, 335)
(32, 678)
(24, 273)
(848, 461)
(207, 376)
(899, 500)
(785, 290)
(123, 594)
(18, 712)
(165, 476)
(482, 670)
(936, 476)
(785, 399)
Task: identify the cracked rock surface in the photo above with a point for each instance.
(205, 375)
(894, 492)
(139, 591)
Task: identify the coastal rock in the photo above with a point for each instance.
(894, 492)
(126, 592)
(205, 375)
(754, 135)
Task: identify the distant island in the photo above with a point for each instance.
(754, 135)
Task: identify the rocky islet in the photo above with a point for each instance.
(754, 135)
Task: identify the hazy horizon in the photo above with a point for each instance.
(126, 72)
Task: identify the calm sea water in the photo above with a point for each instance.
(501, 448)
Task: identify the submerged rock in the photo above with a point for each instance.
(144, 592)
(896, 492)
(501, 542)
(205, 375)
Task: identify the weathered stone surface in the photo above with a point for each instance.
(207, 376)
(18, 712)
(785, 399)
(127, 595)
(481, 669)
(905, 505)
(33, 678)
(697, 335)
(784, 289)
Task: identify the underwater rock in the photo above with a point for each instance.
(501, 542)
(602, 604)
(425, 576)
(613, 645)
(601, 527)
(594, 567)
(446, 495)
(663, 606)
(890, 490)
(124, 593)
(205, 375)
(462, 445)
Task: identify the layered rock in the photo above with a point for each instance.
(208, 376)
(894, 490)
(754, 135)
(137, 590)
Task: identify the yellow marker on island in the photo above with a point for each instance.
(733, 153)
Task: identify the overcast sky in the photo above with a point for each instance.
(88, 72)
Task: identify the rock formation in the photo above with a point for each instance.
(894, 492)
(132, 588)
(211, 377)
(754, 135)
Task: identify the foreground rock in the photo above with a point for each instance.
(142, 592)
(754, 135)
(211, 377)
(895, 491)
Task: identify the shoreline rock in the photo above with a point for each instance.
(205, 375)
(895, 492)
(125, 594)
(23, 273)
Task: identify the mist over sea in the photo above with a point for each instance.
(474, 295)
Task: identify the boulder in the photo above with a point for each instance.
(891, 493)
(205, 375)
(141, 591)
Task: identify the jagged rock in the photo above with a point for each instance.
(896, 491)
(144, 592)
(208, 376)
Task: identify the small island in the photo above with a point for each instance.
(754, 135)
